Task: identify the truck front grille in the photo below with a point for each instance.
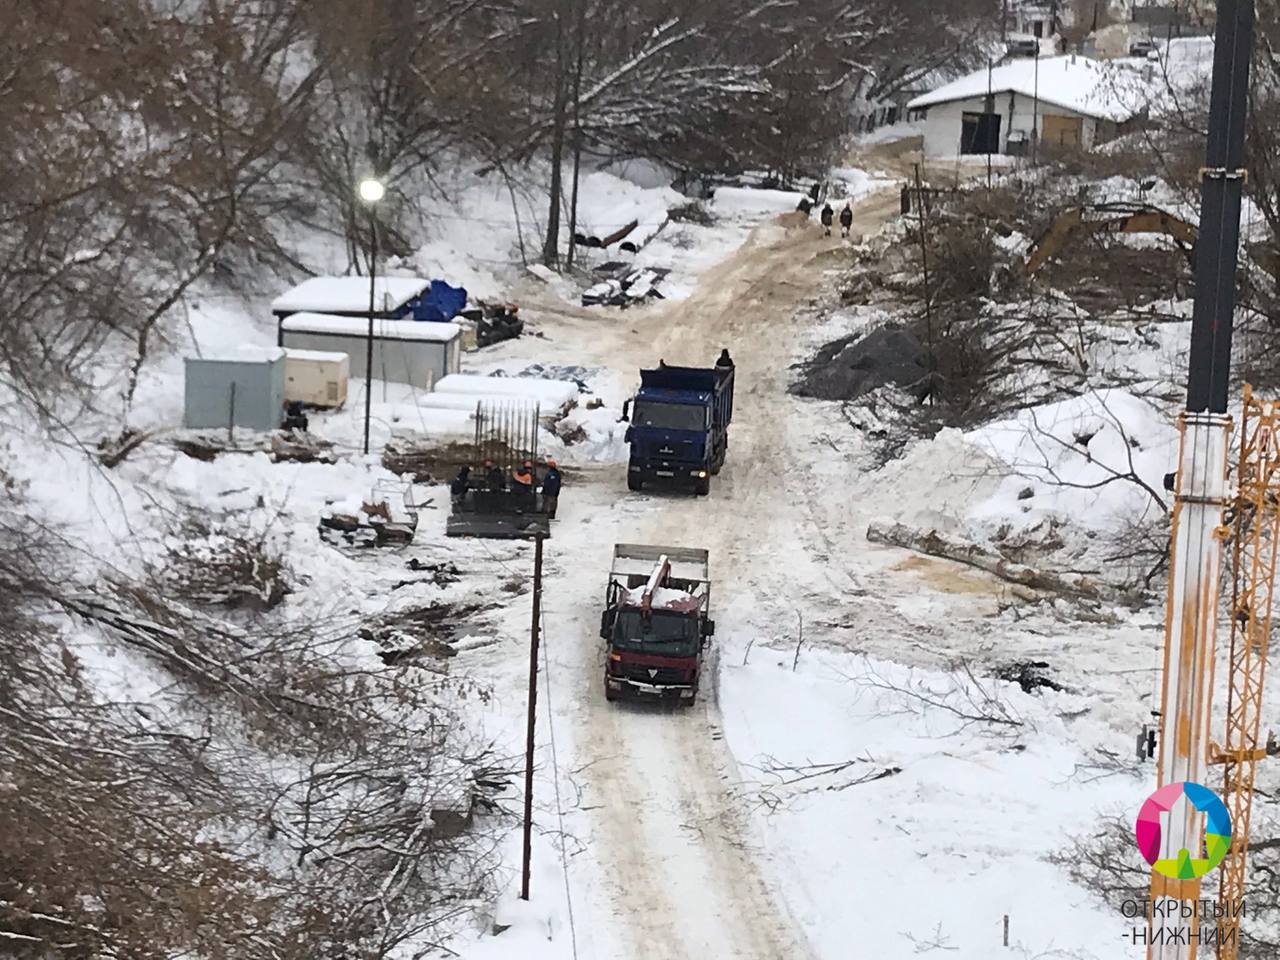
(654, 675)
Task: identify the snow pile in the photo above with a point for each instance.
(484, 229)
(747, 202)
(934, 483)
(1098, 460)
(607, 203)
(594, 436)
(549, 394)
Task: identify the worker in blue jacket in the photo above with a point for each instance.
(551, 489)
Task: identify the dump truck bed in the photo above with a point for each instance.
(637, 560)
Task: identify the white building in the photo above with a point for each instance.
(1034, 18)
(416, 352)
(1063, 101)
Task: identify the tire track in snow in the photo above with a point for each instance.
(671, 841)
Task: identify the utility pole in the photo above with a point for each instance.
(1201, 490)
(989, 110)
(368, 352)
(924, 267)
(533, 716)
(1035, 109)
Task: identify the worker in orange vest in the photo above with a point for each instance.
(522, 478)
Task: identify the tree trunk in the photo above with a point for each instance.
(551, 249)
(580, 29)
(938, 544)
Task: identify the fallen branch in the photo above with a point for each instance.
(934, 543)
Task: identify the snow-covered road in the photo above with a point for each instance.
(680, 874)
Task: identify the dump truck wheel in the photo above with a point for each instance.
(635, 484)
(702, 487)
(610, 695)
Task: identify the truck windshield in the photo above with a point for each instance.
(665, 634)
(670, 416)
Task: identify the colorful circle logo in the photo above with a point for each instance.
(1217, 831)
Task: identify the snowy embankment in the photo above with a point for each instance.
(908, 811)
(1098, 460)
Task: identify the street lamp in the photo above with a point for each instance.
(371, 191)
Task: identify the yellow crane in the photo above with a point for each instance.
(1254, 542)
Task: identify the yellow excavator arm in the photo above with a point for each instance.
(1105, 218)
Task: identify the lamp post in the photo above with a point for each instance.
(371, 191)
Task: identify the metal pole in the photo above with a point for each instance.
(1035, 109)
(1201, 490)
(924, 265)
(533, 713)
(990, 108)
(231, 414)
(368, 353)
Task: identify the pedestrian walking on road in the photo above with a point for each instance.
(827, 214)
(551, 489)
(846, 220)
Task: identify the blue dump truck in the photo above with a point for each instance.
(679, 431)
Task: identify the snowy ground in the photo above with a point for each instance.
(907, 827)
(684, 838)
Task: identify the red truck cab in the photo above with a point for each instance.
(656, 622)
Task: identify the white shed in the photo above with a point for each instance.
(1062, 101)
(417, 352)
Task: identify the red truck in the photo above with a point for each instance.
(656, 622)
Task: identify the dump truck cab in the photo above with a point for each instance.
(679, 431)
(656, 622)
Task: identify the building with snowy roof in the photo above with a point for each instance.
(393, 297)
(407, 299)
(1068, 101)
(404, 351)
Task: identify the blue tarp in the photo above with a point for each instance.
(441, 302)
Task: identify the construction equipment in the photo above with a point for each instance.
(506, 435)
(1201, 494)
(1108, 218)
(387, 517)
(1130, 218)
(656, 622)
(1255, 538)
(679, 429)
